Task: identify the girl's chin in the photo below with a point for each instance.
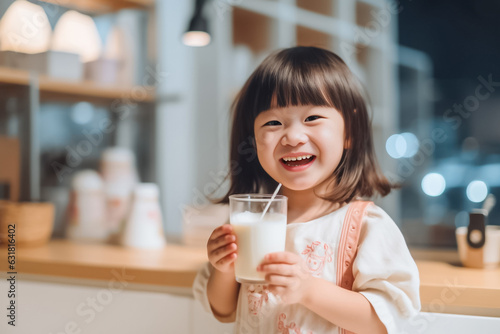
(292, 186)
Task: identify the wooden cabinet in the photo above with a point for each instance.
(66, 308)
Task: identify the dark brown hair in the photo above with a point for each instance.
(305, 76)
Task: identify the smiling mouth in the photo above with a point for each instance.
(297, 163)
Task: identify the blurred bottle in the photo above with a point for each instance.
(144, 226)
(120, 177)
(87, 209)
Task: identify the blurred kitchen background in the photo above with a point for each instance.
(121, 73)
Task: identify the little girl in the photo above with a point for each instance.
(301, 120)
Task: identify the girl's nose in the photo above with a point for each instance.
(293, 137)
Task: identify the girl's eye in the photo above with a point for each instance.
(272, 123)
(312, 118)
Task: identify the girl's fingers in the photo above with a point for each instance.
(281, 257)
(220, 241)
(280, 269)
(227, 259)
(221, 230)
(223, 251)
(278, 280)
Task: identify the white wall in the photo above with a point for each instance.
(175, 144)
(192, 139)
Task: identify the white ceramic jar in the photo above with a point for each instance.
(120, 177)
(144, 226)
(87, 209)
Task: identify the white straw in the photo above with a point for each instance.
(269, 203)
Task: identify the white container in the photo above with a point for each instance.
(87, 210)
(120, 178)
(255, 237)
(487, 256)
(103, 71)
(54, 64)
(144, 226)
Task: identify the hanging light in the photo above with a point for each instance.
(197, 33)
(25, 28)
(77, 33)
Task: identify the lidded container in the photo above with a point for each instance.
(479, 243)
(120, 177)
(87, 209)
(144, 226)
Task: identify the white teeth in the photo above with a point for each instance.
(297, 158)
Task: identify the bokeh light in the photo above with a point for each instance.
(477, 191)
(412, 144)
(433, 184)
(396, 146)
(403, 145)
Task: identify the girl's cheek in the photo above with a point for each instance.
(266, 139)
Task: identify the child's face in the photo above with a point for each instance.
(311, 131)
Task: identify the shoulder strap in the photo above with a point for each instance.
(348, 245)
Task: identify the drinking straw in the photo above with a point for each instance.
(269, 203)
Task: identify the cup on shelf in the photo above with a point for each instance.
(478, 243)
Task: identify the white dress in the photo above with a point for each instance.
(384, 272)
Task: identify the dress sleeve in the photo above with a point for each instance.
(385, 272)
(200, 292)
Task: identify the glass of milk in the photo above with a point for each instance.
(256, 237)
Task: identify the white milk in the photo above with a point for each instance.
(255, 239)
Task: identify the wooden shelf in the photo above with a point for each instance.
(323, 7)
(363, 14)
(310, 19)
(102, 6)
(310, 37)
(257, 38)
(174, 265)
(69, 90)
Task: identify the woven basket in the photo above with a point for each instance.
(33, 222)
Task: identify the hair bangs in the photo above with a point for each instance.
(290, 82)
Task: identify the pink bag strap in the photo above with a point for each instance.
(348, 246)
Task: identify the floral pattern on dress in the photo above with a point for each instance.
(291, 328)
(256, 295)
(317, 257)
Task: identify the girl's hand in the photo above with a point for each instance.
(287, 275)
(221, 248)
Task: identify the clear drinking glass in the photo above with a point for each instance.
(255, 237)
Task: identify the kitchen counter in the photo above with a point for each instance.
(173, 266)
(446, 287)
